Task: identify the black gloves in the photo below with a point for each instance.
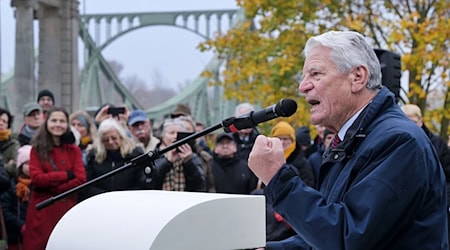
(70, 175)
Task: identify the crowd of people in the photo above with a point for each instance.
(367, 164)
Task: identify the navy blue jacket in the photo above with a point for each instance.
(382, 188)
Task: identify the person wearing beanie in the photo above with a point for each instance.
(231, 174)
(15, 200)
(46, 99)
(292, 151)
(276, 226)
(8, 144)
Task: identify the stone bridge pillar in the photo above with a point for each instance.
(24, 65)
(58, 51)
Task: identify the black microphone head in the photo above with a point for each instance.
(286, 107)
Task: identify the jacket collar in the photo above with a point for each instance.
(361, 127)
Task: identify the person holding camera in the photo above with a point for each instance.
(109, 110)
(179, 169)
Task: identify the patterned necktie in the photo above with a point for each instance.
(335, 141)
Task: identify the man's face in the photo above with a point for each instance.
(141, 130)
(326, 89)
(46, 102)
(34, 119)
(225, 148)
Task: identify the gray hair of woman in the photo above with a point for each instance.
(107, 125)
(167, 123)
(86, 120)
(349, 50)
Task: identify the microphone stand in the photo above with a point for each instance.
(143, 158)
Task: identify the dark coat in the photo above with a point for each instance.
(315, 160)
(298, 160)
(195, 179)
(245, 147)
(14, 213)
(128, 179)
(443, 153)
(232, 176)
(381, 188)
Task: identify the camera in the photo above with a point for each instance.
(182, 135)
(115, 111)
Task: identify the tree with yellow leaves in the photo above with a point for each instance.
(264, 53)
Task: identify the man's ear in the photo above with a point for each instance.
(360, 77)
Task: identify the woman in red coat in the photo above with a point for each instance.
(55, 167)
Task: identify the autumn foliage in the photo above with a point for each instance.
(264, 58)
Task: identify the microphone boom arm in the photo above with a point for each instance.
(285, 108)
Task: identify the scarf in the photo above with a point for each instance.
(174, 180)
(23, 188)
(289, 150)
(28, 132)
(86, 140)
(4, 134)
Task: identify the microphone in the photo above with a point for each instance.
(284, 108)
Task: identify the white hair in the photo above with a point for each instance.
(243, 108)
(349, 50)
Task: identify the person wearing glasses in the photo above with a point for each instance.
(112, 149)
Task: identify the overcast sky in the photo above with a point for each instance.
(167, 50)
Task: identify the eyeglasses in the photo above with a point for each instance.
(112, 138)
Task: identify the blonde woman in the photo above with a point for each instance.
(112, 148)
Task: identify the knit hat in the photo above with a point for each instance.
(46, 92)
(303, 136)
(283, 128)
(23, 155)
(181, 110)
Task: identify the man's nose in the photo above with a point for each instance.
(304, 85)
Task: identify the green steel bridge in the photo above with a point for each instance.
(100, 84)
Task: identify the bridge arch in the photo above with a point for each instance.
(196, 94)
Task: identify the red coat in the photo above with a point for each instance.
(46, 183)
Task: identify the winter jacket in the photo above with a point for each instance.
(245, 147)
(128, 179)
(9, 150)
(195, 179)
(298, 160)
(381, 188)
(48, 179)
(14, 212)
(232, 176)
(443, 153)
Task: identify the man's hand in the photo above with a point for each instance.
(266, 158)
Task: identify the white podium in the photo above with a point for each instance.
(162, 220)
